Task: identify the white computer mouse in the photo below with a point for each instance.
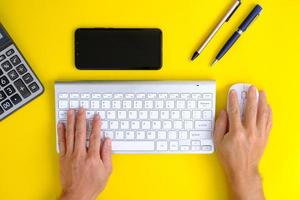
(242, 89)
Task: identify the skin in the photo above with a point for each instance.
(84, 171)
(239, 143)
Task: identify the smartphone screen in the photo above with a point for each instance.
(118, 49)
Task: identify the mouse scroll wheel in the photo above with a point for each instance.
(244, 95)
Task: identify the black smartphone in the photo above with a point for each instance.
(118, 49)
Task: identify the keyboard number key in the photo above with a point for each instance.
(9, 90)
(7, 105)
(2, 96)
(3, 81)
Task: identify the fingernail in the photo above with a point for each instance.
(96, 116)
(59, 125)
(109, 143)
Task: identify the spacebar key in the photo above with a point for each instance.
(132, 145)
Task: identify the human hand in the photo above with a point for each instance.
(240, 143)
(84, 171)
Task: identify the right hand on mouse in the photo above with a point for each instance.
(84, 171)
(241, 143)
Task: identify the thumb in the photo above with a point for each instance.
(220, 127)
(106, 155)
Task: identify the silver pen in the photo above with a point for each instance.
(226, 18)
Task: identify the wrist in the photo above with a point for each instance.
(68, 195)
(246, 185)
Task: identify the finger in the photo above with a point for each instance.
(233, 111)
(70, 131)
(80, 133)
(106, 155)
(61, 139)
(251, 108)
(263, 111)
(270, 121)
(95, 140)
(220, 127)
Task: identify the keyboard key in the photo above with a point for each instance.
(162, 145)
(12, 75)
(173, 145)
(203, 125)
(3, 81)
(164, 114)
(204, 104)
(9, 90)
(15, 60)
(95, 104)
(124, 125)
(207, 114)
(27, 78)
(121, 114)
(84, 104)
(198, 135)
(74, 104)
(63, 104)
(22, 88)
(6, 66)
(85, 96)
(172, 135)
(7, 104)
(1, 72)
(105, 104)
(132, 145)
(74, 96)
(129, 135)
(153, 114)
(151, 135)
(2, 96)
(21, 69)
(33, 87)
(207, 96)
(141, 135)
(197, 114)
(161, 135)
(2, 57)
(10, 52)
(119, 135)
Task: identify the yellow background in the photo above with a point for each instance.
(267, 55)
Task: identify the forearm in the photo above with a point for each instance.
(247, 187)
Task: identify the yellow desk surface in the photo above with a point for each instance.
(267, 55)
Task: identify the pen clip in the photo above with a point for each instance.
(228, 18)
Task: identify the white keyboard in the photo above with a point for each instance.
(145, 116)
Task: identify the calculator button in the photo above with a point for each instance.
(7, 104)
(2, 57)
(2, 96)
(9, 90)
(6, 66)
(10, 52)
(12, 75)
(21, 69)
(1, 111)
(15, 60)
(22, 88)
(27, 78)
(3, 81)
(33, 87)
(16, 99)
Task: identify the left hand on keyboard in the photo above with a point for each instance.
(84, 171)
